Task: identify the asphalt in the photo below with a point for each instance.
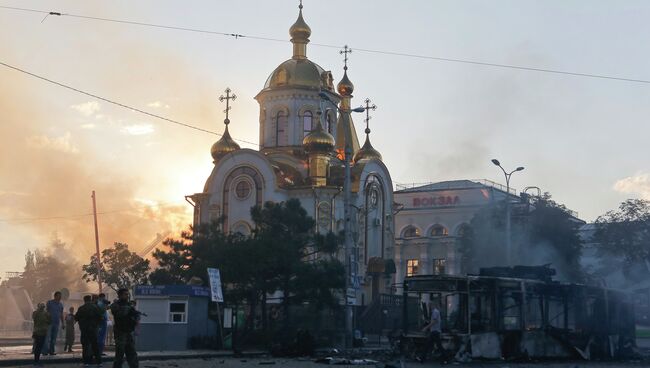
(12, 356)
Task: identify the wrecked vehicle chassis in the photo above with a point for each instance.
(512, 318)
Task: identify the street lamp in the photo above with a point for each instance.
(508, 231)
(347, 245)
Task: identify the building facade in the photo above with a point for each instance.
(305, 124)
(431, 219)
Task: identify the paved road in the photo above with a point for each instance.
(296, 363)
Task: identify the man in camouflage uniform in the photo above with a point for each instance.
(125, 319)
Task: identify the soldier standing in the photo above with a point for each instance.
(125, 318)
(89, 317)
(41, 323)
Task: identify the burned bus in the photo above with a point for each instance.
(519, 312)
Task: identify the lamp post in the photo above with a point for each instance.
(507, 200)
(347, 245)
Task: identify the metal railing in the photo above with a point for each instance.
(454, 184)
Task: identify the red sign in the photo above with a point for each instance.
(436, 201)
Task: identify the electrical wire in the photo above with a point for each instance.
(374, 51)
(135, 109)
(70, 217)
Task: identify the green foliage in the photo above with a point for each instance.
(283, 253)
(626, 233)
(301, 264)
(544, 233)
(43, 275)
(120, 268)
(51, 269)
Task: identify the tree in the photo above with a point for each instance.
(545, 233)
(626, 233)
(43, 275)
(283, 253)
(50, 269)
(301, 263)
(120, 268)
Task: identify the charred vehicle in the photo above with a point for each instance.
(519, 312)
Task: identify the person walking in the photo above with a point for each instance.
(125, 318)
(69, 330)
(89, 317)
(55, 308)
(103, 304)
(434, 328)
(41, 323)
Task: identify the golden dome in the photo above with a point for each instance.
(223, 146)
(297, 73)
(345, 86)
(318, 141)
(367, 152)
(300, 31)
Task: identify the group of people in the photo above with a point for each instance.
(92, 318)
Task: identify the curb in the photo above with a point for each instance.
(141, 358)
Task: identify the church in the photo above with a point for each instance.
(306, 135)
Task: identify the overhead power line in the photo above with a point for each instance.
(367, 50)
(135, 109)
(70, 217)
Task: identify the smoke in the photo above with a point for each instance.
(58, 146)
(539, 238)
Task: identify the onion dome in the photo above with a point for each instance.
(367, 152)
(300, 31)
(297, 73)
(345, 86)
(318, 141)
(223, 146)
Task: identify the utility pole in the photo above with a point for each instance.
(348, 244)
(345, 113)
(98, 262)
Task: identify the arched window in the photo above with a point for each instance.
(242, 228)
(463, 230)
(439, 230)
(330, 123)
(307, 122)
(281, 129)
(411, 232)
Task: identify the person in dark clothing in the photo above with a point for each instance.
(125, 318)
(89, 317)
(69, 330)
(42, 321)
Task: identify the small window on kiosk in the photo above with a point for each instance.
(178, 312)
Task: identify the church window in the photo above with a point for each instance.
(242, 228)
(243, 189)
(411, 232)
(412, 267)
(439, 230)
(324, 217)
(307, 122)
(330, 123)
(439, 266)
(374, 197)
(281, 129)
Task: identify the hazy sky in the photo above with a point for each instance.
(584, 140)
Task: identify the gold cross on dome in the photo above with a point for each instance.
(368, 107)
(227, 98)
(346, 50)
